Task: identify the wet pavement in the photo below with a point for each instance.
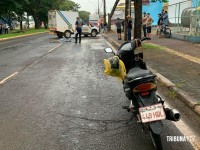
(63, 101)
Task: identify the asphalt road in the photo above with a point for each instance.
(59, 99)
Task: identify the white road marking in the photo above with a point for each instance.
(54, 48)
(7, 78)
(14, 74)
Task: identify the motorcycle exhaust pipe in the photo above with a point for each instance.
(172, 114)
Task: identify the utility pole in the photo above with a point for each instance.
(98, 7)
(104, 6)
(129, 7)
(125, 19)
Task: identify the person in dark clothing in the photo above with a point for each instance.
(144, 19)
(119, 25)
(6, 28)
(129, 27)
(105, 26)
(1, 28)
(123, 26)
(159, 23)
(162, 14)
(78, 27)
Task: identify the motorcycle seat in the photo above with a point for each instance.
(137, 73)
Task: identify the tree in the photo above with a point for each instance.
(8, 7)
(111, 14)
(84, 15)
(138, 18)
(36, 8)
(39, 10)
(69, 5)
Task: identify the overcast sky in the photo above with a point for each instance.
(92, 5)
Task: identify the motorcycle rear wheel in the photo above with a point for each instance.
(156, 140)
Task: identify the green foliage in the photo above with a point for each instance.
(36, 8)
(171, 94)
(69, 5)
(151, 46)
(84, 15)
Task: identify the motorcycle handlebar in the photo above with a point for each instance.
(144, 38)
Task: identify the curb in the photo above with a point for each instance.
(3, 39)
(181, 94)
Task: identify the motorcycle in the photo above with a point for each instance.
(140, 87)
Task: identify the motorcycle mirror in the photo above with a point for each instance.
(108, 50)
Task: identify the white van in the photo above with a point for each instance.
(62, 23)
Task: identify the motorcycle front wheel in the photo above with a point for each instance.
(156, 140)
(167, 33)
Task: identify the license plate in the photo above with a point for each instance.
(152, 113)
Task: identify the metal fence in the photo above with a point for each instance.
(184, 17)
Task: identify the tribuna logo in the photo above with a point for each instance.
(181, 138)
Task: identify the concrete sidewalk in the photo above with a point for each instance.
(176, 63)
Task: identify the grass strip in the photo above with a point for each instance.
(151, 46)
(18, 32)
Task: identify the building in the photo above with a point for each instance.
(149, 7)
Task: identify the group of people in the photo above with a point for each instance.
(161, 24)
(120, 24)
(4, 28)
(102, 25)
(147, 25)
(147, 21)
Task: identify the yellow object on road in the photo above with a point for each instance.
(115, 67)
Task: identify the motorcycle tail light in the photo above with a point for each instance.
(144, 88)
(145, 93)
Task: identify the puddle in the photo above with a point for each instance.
(97, 46)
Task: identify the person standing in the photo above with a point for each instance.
(6, 28)
(119, 25)
(159, 25)
(144, 19)
(129, 27)
(165, 19)
(78, 28)
(148, 25)
(122, 25)
(1, 28)
(105, 26)
(102, 27)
